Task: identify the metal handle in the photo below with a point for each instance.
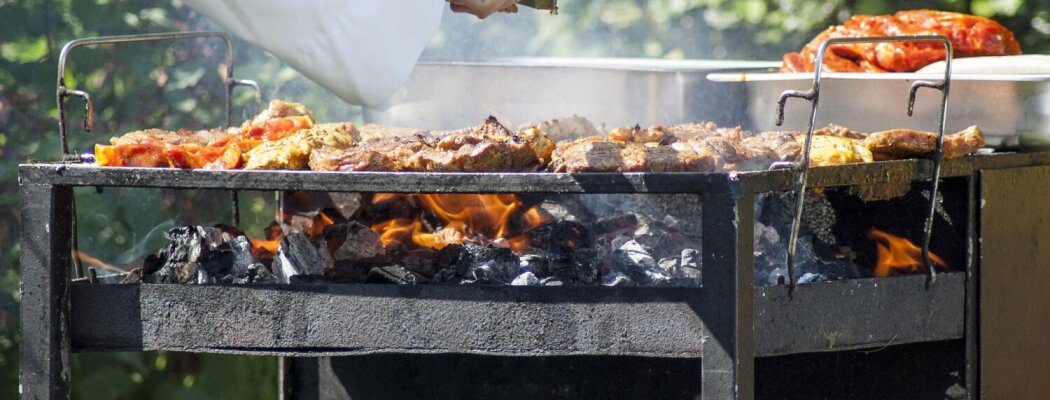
(813, 95)
(63, 92)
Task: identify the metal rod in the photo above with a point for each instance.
(938, 155)
(813, 95)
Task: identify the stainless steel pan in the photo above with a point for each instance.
(1013, 110)
(613, 92)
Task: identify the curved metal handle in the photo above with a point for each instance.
(63, 92)
(813, 95)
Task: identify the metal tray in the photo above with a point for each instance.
(1013, 110)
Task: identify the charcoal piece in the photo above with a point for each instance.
(176, 262)
(662, 240)
(212, 237)
(535, 264)
(571, 253)
(486, 264)
(810, 277)
(552, 281)
(422, 261)
(684, 270)
(352, 242)
(689, 267)
(615, 226)
(447, 276)
(635, 261)
(565, 208)
(394, 274)
(526, 278)
(616, 278)
(297, 256)
(254, 273)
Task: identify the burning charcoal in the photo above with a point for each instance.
(297, 256)
(354, 249)
(535, 264)
(486, 264)
(394, 274)
(571, 253)
(616, 278)
(633, 260)
(525, 279)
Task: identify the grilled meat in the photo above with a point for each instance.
(906, 143)
(293, 152)
(485, 147)
(970, 36)
(595, 154)
(565, 128)
(835, 150)
(282, 109)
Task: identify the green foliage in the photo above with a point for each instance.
(141, 85)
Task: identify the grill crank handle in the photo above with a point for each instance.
(89, 118)
(812, 95)
(938, 156)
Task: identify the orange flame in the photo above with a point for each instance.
(465, 216)
(897, 255)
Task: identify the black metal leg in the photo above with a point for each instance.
(46, 213)
(299, 378)
(728, 296)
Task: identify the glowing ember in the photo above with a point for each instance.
(92, 260)
(897, 255)
(465, 217)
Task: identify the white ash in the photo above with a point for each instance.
(525, 279)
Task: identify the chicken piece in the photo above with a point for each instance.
(149, 155)
(565, 128)
(834, 150)
(281, 109)
(293, 152)
(653, 134)
(970, 36)
(840, 131)
(906, 143)
(161, 136)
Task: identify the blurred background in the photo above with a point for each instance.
(138, 86)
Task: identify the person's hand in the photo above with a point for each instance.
(483, 8)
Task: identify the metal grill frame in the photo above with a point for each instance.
(728, 322)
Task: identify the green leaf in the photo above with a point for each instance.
(24, 51)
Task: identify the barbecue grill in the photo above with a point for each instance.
(728, 322)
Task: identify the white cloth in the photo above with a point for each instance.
(361, 50)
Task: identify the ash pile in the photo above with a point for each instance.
(448, 239)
